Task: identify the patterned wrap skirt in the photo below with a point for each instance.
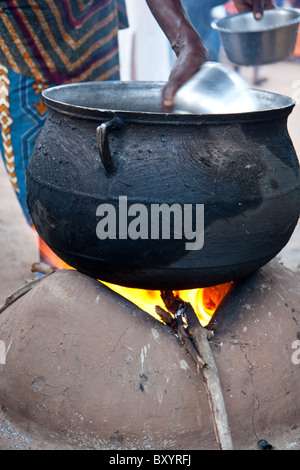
(22, 116)
(24, 77)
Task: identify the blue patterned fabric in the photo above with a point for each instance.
(25, 113)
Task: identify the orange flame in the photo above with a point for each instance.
(204, 301)
(51, 257)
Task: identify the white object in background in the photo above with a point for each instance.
(145, 52)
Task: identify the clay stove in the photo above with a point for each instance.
(86, 367)
(89, 367)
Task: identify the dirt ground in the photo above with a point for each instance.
(18, 244)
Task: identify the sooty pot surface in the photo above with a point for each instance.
(107, 159)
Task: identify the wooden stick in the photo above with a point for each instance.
(165, 316)
(20, 292)
(199, 337)
(42, 268)
(212, 381)
(184, 338)
(188, 345)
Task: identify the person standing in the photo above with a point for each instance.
(44, 44)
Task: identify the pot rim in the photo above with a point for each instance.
(154, 117)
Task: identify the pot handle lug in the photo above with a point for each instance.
(110, 164)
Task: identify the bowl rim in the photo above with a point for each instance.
(222, 29)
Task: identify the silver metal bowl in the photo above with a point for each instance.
(215, 89)
(248, 41)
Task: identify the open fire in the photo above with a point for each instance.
(204, 301)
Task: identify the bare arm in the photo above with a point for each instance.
(185, 41)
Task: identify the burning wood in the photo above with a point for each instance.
(178, 325)
(194, 339)
(165, 317)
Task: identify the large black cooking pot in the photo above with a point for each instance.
(106, 140)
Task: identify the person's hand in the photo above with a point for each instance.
(257, 6)
(184, 40)
(189, 60)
